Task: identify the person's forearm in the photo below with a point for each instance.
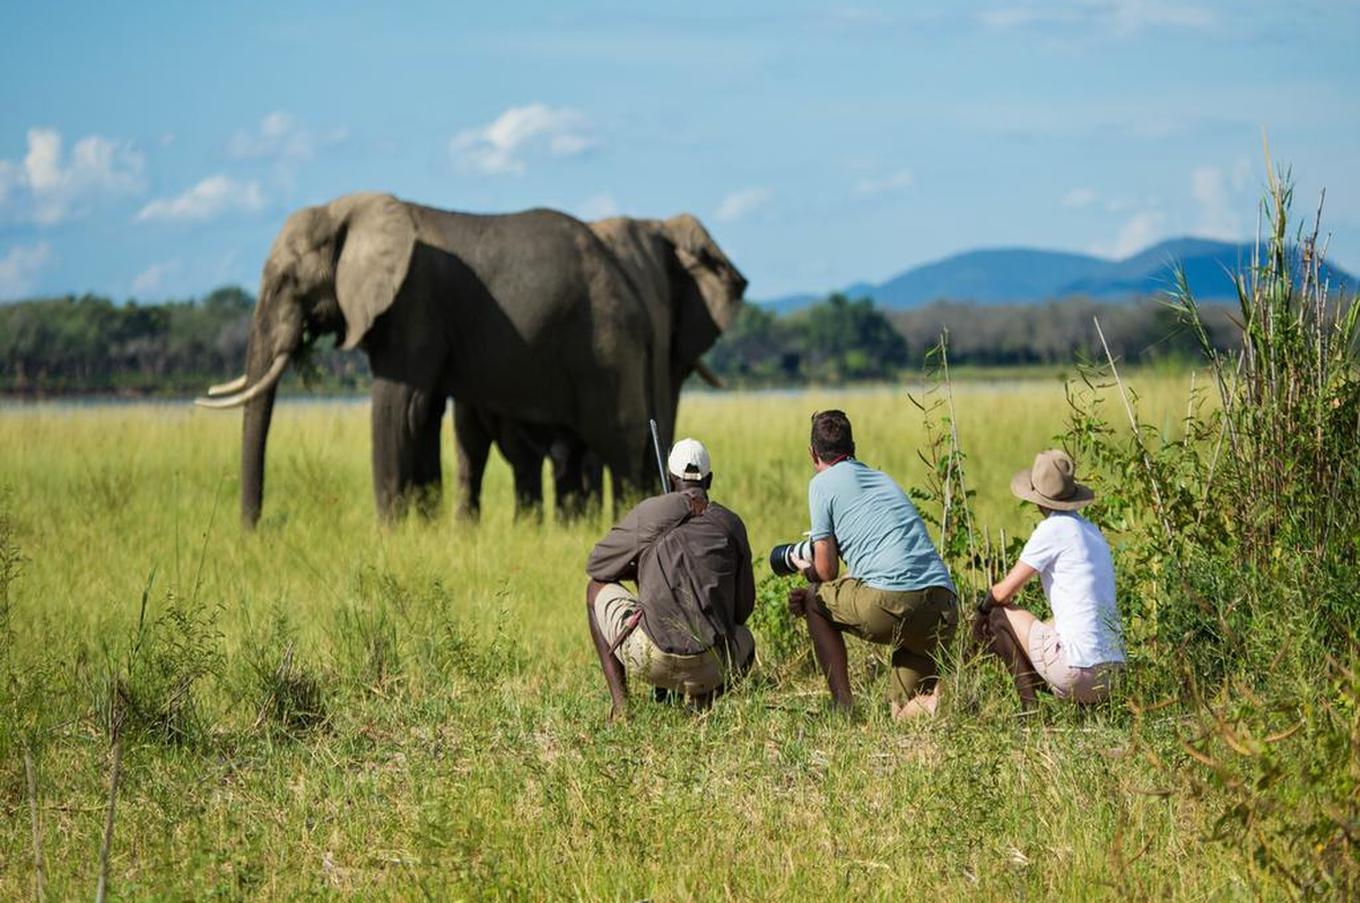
(614, 558)
(826, 563)
(814, 574)
(611, 570)
(1004, 592)
(998, 597)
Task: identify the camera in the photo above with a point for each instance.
(782, 555)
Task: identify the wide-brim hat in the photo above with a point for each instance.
(1052, 483)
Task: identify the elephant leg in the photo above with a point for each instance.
(405, 447)
(581, 479)
(567, 454)
(632, 464)
(473, 442)
(592, 480)
(425, 415)
(525, 455)
(529, 489)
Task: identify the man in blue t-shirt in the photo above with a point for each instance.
(898, 592)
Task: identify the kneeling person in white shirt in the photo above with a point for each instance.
(1079, 652)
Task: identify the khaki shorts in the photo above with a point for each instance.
(693, 675)
(1085, 685)
(915, 624)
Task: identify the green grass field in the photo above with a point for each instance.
(441, 729)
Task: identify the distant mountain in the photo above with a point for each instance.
(1027, 276)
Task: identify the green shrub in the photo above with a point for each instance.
(287, 694)
(153, 692)
(781, 639)
(1241, 540)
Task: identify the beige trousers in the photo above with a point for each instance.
(693, 675)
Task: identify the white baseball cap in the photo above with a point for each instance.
(689, 460)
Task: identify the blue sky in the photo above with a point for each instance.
(153, 151)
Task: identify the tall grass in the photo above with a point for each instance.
(1280, 737)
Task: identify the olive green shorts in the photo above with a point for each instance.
(915, 624)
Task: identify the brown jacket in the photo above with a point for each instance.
(693, 571)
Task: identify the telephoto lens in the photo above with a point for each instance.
(781, 556)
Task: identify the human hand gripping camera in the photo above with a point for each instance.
(898, 593)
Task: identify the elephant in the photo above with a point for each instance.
(525, 314)
(693, 293)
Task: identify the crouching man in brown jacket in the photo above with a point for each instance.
(683, 631)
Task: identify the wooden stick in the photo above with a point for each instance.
(1190, 401)
(115, 774)
(1137, 436)
(957, 449)
(39, 873)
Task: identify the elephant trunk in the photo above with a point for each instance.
(255, 430)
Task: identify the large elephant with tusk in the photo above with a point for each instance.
(527, 314)
(692, 293)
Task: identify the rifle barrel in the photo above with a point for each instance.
(660, 464)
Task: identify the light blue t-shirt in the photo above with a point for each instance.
(879, 532)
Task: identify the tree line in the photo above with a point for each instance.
(91, 344)
(841, 340)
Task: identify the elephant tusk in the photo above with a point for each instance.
(235, 385)
(264, 385)
(707, 375)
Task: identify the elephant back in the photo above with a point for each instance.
(641, 254)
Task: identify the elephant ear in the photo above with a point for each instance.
(709, 297)
(375, 237)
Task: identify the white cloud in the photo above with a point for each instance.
(151, 278)
(280, 136)
(209, 199)
(741, 203)
(1138, 232)
(1078, 198)
(501, 146)
(598, 206)
(20, 265)
(897, 181)
(48, 187)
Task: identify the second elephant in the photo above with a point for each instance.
(688, 287)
